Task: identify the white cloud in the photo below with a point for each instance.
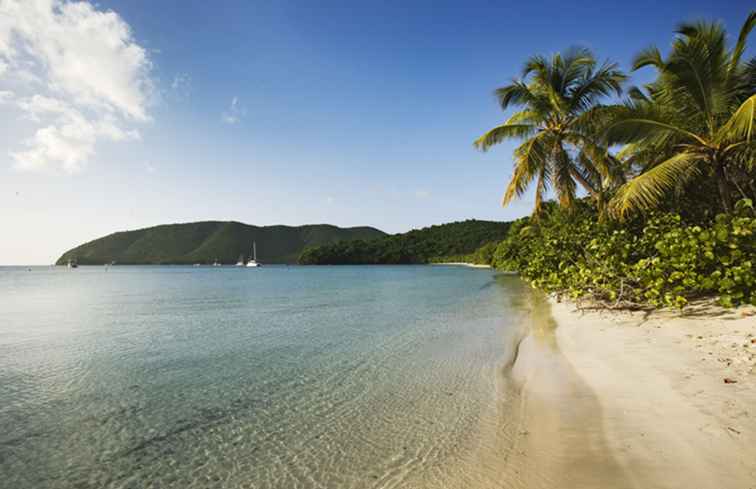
(422, 194)
(76, 71)
(69, 140)
(150, 167)
(235, 112)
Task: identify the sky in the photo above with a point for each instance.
(123, 114)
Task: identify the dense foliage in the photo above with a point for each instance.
(445, 242)
(206, 242)
(694, 120)
(662, 171)
(657, 261)
(687, 136)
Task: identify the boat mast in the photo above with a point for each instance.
(254, 250)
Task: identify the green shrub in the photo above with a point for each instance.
(658, 261)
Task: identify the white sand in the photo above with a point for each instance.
(666, 416)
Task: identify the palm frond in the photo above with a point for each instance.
(536, 64)
(650, 56)
(599, 158)
(519, 94)
(633, 123)
(740, 45)
(740, 126)
(637, 95)
(607, 80)
(502, 132)
(530, 160)
(576, 64)
(527, 116)
(648, 189)
(542, 187)
(563, 177)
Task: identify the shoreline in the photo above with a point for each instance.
(631, 400)
(460, 264)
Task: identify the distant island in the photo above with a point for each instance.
(207, 242)
(470, 241)
(210, 241)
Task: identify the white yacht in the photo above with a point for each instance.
(253, 261)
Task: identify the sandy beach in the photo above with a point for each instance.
(634, 400)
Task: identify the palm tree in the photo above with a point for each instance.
(695, 120)
(557, 123)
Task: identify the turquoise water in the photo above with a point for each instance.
(278, 377)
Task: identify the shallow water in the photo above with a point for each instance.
(279, 377)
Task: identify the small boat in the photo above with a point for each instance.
(216, 263)
(253, 261)
(72, 264)
(240, 263)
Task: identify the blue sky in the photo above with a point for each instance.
(350, 113)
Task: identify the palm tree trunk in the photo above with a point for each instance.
(724, 191)
(582, 181)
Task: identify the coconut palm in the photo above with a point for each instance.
(557, 124)
(695, 120)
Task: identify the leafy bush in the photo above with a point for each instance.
(658, 261)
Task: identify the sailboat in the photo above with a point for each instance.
(240, 263)
(253, 261)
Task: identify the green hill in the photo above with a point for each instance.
(205, 242)
(446, 242)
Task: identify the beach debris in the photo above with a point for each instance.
(733, 430)
(728, 380)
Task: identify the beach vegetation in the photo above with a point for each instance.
(673, 219)
(694, 122)
(660, 260)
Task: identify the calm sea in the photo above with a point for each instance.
(278, 377)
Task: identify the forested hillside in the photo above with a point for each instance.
(206, 242)
(431, 244)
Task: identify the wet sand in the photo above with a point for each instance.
(619, 400)
(559, 441)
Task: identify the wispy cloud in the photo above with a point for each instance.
(78, 73)
(181, 86)
(234, 113)
(422, 193)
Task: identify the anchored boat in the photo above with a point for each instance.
(253, 261)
